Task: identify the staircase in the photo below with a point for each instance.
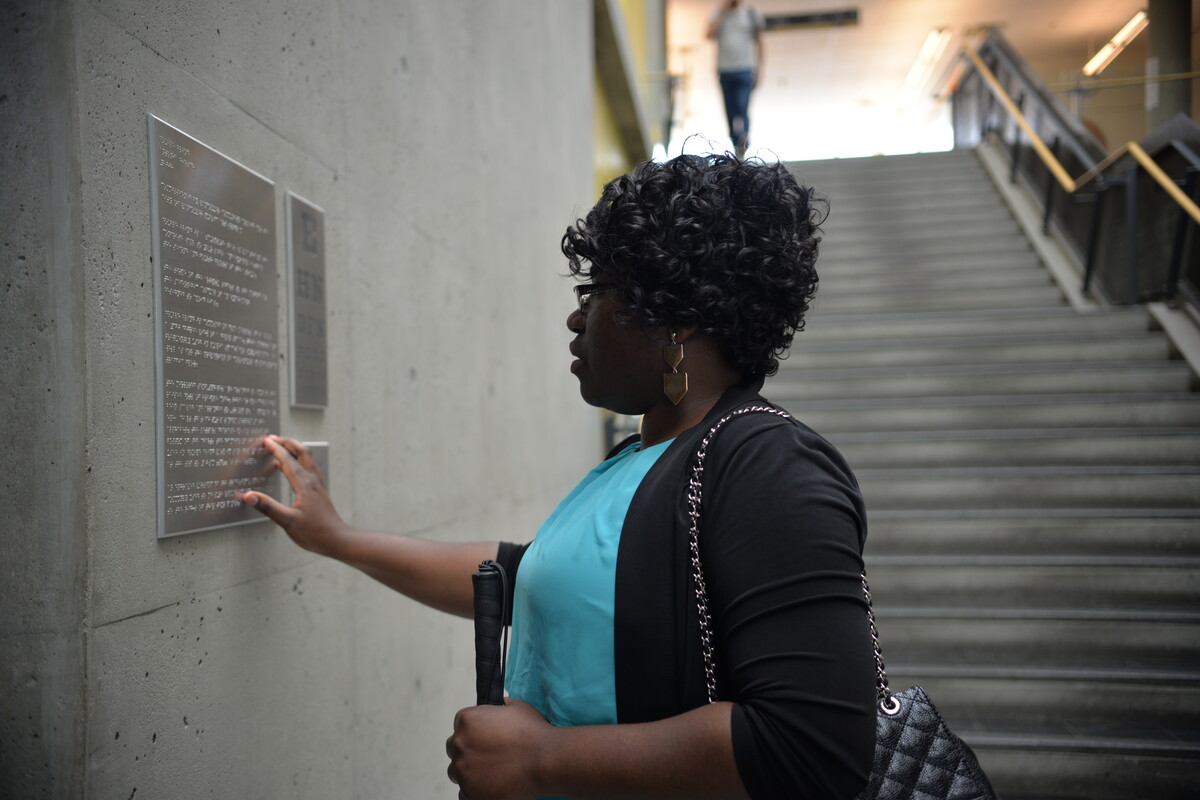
(1032, 475)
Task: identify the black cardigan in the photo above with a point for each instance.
(781, 542)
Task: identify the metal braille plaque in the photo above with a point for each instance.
(217, 346)
(306, 286)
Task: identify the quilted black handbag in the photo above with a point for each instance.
(916, 755)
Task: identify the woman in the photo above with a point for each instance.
(737, 29)
(698, 273)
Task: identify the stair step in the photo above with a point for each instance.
(900, 217)
(877, 165)
(968, 255)
(858, 204)
(836, 260)
(1173, 561)
(940, 299)
(854, 248)
(1150, 588)
(1157, 705)
(892, 193)
(976, 350)
(962, 380)
(1031, 487)
(901, 170)
(1051, 447)
(848, 274)
(1097, 677)
(911, 281)
(1075, 537)
(904, 221)
(909, 263)
(1059, 768)
(1055, 514)
(961, 225)
(904, 182)
(997, 412)
(970, 322)
(1087, 742)
(899, 190)
(1047, 637)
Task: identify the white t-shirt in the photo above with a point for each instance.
(736, 38)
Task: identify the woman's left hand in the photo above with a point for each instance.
(494, 751)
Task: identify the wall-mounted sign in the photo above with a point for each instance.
(216, 332)
(306, 287)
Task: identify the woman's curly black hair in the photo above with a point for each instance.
(727, 244)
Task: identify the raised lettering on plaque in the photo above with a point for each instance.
(213, 223)
(306, 285)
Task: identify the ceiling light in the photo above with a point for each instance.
(927, 60)
(1115, 45)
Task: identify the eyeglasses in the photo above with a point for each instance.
(585, 290)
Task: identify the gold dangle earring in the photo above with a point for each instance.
(675, 384)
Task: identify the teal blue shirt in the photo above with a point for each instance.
(561, 655)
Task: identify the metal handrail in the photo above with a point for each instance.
(1056, 169)
(1069, 184)
(999, 49)
(1072, 185)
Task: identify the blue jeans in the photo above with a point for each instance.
(736, 86)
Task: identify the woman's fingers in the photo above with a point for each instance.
(274, 510)
(286, 459)
(298, 451)
(311, 520)
(293, 447)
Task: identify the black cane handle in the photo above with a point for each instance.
(489, 582)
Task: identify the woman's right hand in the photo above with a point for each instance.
(311, 521)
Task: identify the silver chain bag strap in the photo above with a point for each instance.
(916, 755)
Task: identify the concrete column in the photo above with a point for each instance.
(1168, 52)
(42, 432)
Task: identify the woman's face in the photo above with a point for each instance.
(618, 362)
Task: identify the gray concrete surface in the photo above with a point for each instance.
(450, 144)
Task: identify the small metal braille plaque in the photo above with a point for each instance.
(306, 287)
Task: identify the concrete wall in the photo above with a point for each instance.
(449, 143)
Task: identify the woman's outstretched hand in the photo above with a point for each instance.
(311, 521)
(494, 751)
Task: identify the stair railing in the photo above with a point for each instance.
(1101, 174)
